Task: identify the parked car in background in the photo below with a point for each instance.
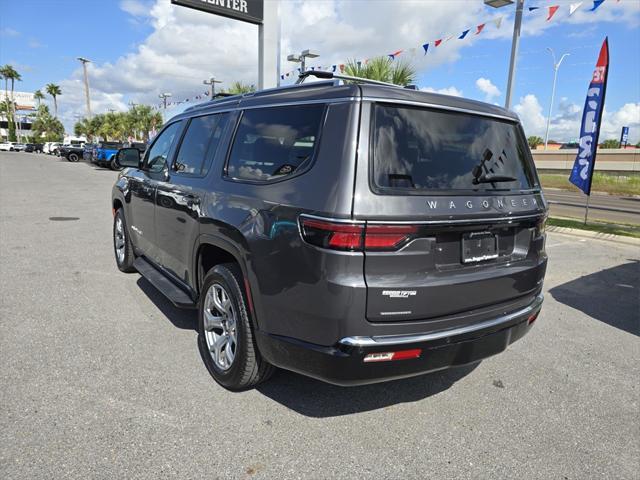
(353, 233)
(87, 151)
(105, 152)
(51, 148)
(19, 147)
(31, 148)
(72, 153)
(6, 147)
(38, 147)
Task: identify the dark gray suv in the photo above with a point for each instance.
(351, 232)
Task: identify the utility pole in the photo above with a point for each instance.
(84, 62)
(164, 97)
(212, 82)
(556, 66)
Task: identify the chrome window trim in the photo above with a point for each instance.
(436, 106)
(390, 340)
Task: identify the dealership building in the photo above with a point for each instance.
(25, 107)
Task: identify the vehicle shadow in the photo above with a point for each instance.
(317, 399)
(183, 318)
(610, 296)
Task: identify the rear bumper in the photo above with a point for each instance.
(343, 364)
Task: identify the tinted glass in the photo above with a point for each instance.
(272, 143)
(419, 149)
(199, 144)
(110, 145)
(157, 158)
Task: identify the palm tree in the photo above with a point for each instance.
(38, 96)
(10, 74)
(383, 69)
(54, 90)
(237, 88)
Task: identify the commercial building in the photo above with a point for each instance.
(25, 107)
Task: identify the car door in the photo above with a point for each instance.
(180, 196)
(143, 184)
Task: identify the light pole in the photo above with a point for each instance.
(556, 66)
(164, 97)
(301, 59)
(515, 42)
(212, 81)
(84, 62)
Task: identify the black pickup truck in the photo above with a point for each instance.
(72, 153)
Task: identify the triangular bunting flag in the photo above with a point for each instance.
(552, 12)
(596, 4)
(497, 22)
(448, 38)
(393, 55)
(426, 48)
(464, 34)
(573, 7)
(342, 68)
(479, 28)
(531, 9)
(333, 68)
(437, 42)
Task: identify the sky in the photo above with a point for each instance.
(140, 48)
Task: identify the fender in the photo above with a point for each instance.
(237, 252)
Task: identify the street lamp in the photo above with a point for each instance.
(556, 66)
(212, 81)
(514, 42)
(301, 59)
(84, 62)
(164, 97)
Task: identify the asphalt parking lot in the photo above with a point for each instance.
(100, 377)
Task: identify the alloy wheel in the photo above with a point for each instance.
(220, 323)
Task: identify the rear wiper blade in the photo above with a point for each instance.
(491, 178)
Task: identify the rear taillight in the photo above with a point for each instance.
(387, 237)
(352, 236)
(333, 235)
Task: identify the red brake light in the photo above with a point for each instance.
(337, 236)
(387, 237)
(351, 236)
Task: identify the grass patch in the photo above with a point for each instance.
(624, 230)
(602, 182)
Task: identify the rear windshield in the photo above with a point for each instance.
(108, 145)
(417, 149)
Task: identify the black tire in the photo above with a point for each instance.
(113, 165)
(73, 157)
(125, 261)
(248, 368)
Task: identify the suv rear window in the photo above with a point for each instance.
(419, 149)
(110, 145)
(274, 142)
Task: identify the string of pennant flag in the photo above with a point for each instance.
(430, 46)
(427, 47)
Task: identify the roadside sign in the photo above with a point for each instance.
(251, 11)
(624, 135)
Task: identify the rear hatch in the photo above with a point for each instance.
(453, 207)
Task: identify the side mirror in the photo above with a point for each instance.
(128, 157)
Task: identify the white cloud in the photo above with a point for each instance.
(9, 32)
(187, 46)
(565, 124)
(488, 88)
(453, 91)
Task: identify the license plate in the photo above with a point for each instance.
(479, 246)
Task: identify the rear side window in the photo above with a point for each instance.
(272, 143)
(199, 144)
(417, 149)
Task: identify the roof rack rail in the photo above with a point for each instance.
(339, 76)
(223, 94)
